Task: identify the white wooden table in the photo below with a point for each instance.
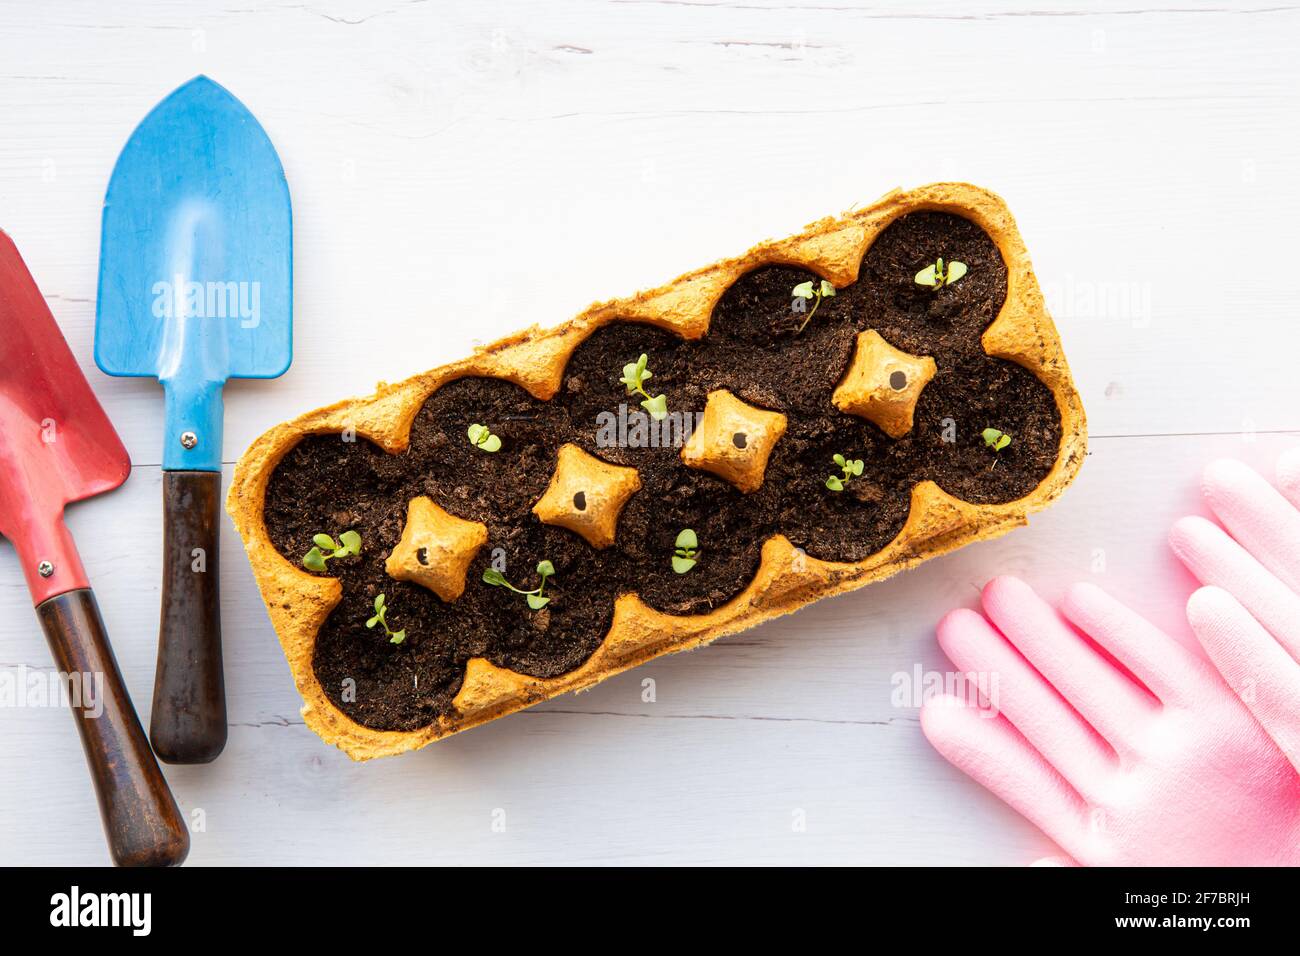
(1148, 152)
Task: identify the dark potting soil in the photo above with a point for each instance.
(754, 350)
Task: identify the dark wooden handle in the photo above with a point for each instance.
(143, 824)
(188, 723)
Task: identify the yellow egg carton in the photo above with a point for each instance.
(787, 579)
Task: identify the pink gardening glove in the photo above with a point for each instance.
(1122, 745)
(1248, 617)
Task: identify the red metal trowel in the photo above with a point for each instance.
(57, 446)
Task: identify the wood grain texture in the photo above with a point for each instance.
(1146, 150)
(188, 719)
(143, 825)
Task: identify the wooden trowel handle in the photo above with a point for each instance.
(143, 824)
(188, 724)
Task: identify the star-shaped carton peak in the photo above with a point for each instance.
(436, 549)
(883, 384)
(734, 440)
(586, 495)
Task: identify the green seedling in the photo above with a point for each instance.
(806, 290)
(635, 375)
(536, 600)
(851, 468)
(996, 440)
(940, 273)
(483, 439)
(324, 548)
(687, 547)
(381, 617)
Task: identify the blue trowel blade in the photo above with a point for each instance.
(195, 273)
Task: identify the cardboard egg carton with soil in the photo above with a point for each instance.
(817, 414)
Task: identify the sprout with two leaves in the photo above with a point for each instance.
(325, 549)
(807, 290)
(851, 469)
(481, 437)
(686, 550)
(635, 375)
(381, 617)
(939, 273)
(536, 599)
(997, 440)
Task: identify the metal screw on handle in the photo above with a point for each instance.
(45, 569)
(189, 439)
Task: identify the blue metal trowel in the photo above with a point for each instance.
(195, 287)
